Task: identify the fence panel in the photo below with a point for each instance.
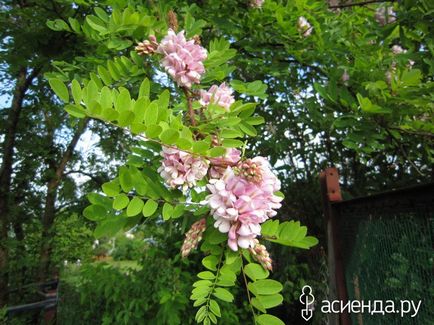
(382, 249)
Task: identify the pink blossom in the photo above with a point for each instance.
(183, 59)
(219, 164)
(345, 76)
(239, 205)
(396, 49)
(385, 16)
(304, 27)
(180, 168)
(221, 95)
(256, 3)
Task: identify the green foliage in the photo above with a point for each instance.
(73, 241)
(213, 283)
(288, 233)
(138, 295)
(127, 248)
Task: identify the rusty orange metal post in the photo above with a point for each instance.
(330, 190)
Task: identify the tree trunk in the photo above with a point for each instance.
(22, 84)
(50, 203)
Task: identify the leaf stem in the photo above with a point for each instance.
(215, 280)
(247, 289)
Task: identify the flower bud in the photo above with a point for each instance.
(260, 254)
(193, 237)
(173, 20)
(147, 47)
(250, 171)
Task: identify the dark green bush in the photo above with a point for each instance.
(155, 293)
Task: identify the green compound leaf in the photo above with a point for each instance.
(256, 271)
(167, 211)
(153, 131)
(95, 212)
(214, 307)
(265, 287)
(268, 320)
(75, 110)
(111, 188)
(76, 91)
(121, 202)
(169, 136)
(270, 301)
(223, 294)
(151, 114)
(206, 275)
(149, 208)
(210, 262)
(59, 89)
(135, 207)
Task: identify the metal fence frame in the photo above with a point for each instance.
(405, 199)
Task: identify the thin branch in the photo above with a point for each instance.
(422, 134)
(247, 289)
(354, 4)
(401, 148)
(190, 107)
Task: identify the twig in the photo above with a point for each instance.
(422, 134)
(354, 4)
(247, 289)
(401, 147)
(190, 107)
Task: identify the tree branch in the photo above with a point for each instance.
(355, 4)
(190, 107)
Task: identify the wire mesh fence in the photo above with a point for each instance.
(387, 252)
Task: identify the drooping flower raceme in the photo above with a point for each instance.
(180, 168)
(221, 95)
(239, 204)
(260, 253)
(193, 237)
(183, 60)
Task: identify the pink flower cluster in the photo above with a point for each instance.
(239, 205)
(221, 95)
(183, 59)
(180, 168)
